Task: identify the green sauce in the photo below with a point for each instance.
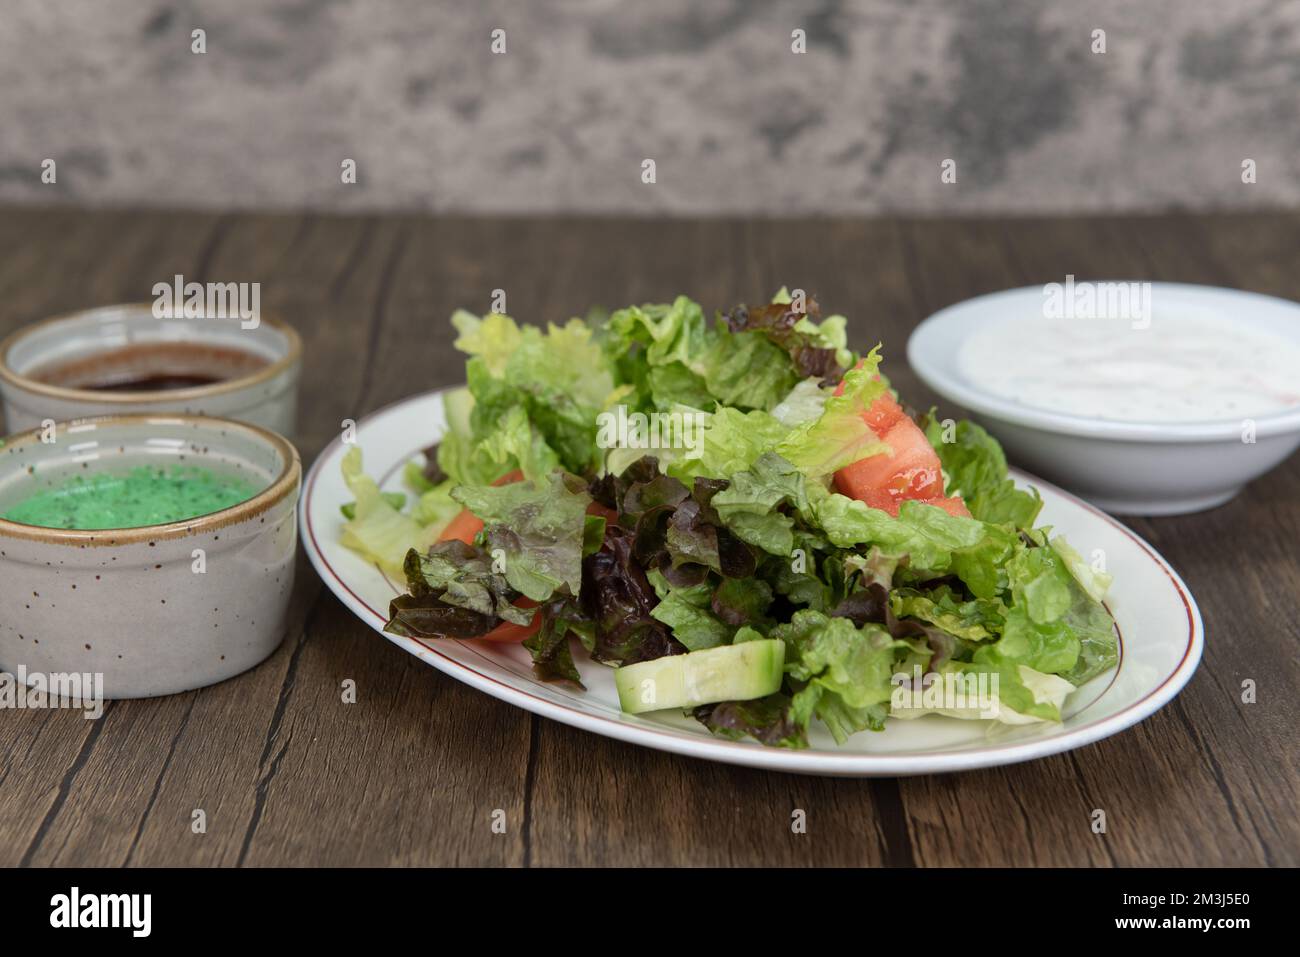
(145, 496)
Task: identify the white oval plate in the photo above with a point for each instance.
(1160, 640)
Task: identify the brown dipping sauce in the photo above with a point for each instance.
(151, 367)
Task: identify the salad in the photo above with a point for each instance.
(740, 517)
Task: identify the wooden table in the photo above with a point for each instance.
(286, 773)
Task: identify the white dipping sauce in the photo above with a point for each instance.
(1175, 370)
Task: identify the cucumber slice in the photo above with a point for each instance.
(751, 669)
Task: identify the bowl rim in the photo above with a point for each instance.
(284, 484)
(8, 375)
(922, 346)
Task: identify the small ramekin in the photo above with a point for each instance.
(267, 397)
(156, 609)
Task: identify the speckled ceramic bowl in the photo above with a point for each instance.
(156, 609)
(266, 395)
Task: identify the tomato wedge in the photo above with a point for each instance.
(913, 470)
(462, 528)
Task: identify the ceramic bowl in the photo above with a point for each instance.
(265, 396)
(160, 608)
(1127, 468)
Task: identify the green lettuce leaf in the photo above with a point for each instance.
(732, 442)
(840, 718)
(748, 506)
(377, 530)
(686, 611)
(1087, 617)
(1023, 695)
(976, 468)
(435, 508)
(927, 535)
(840, 436)
(746, 370)
(845, 671)
(976, 619)
(493, 338)
(1092, 580)
(530, 409)
(803, 404)
(672, 353)
(538, 528)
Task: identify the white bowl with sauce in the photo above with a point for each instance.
(1170, 408)
(124, 359)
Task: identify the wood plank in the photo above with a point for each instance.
(43, 783)
(119, 781)
(232, 734)
(309, 276)
(412, 773)
(1254, 251)
(1205, 797)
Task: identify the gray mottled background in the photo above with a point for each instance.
(709, 89)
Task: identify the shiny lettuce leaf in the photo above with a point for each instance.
(855, 663)
(672, 355)
(688, 613)
(562, 619)
(746, 370)
(976, 469)
(843, 671)
(537, 529)
(530, 411)
(435, 508)
(732, 441)
(928, 536)
(839, 436)
(974, 619)
(804, 403)
(750, 505)
(840, 718)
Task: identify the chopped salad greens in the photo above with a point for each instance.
(738, 516)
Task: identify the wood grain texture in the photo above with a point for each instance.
(415, 771)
